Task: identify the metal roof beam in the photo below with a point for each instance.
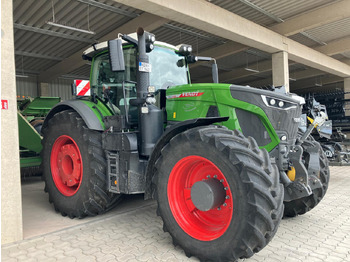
(24, 53)
(27, 71)
(108, 8)
(314, 18)
(52, 33)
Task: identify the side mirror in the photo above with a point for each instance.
(116, 55)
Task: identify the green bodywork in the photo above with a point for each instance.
(100, 110)
(184, 102)
(193, 101)
(30, 143)
(28, 136)
(40, 106)
(29, 139)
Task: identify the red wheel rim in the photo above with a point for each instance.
(201, 225)
(66, 165)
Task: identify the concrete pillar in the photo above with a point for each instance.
(44, 89)
(280, 70)
(347, 96)
(11, 202)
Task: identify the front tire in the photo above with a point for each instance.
(74, 167)
(250, 210)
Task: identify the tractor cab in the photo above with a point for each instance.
(166, 68)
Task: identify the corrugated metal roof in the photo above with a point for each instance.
(243, 59)
(254, 81)
(34, 46)
(283, 9)
(34, 15)
(302, 39)
(322, 89)
(175, 34)
(331, 31)
(82, 71)
(241, 9)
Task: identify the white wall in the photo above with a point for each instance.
(11, 201)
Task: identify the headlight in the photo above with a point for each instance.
(278, 103)
(184, 50)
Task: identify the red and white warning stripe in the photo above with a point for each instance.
(82, 87)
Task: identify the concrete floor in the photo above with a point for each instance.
(133, 232)
(39, 216)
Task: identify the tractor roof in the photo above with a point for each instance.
(97, 48)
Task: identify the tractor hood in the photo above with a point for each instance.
(278, 95)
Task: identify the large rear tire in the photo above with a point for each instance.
(74, 167)
(251, 207)
(305, 204)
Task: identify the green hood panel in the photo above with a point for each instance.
(194, 100)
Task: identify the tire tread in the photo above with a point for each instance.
(99, 199)
(256, 167)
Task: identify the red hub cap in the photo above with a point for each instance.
(66, 165)
(201, 225)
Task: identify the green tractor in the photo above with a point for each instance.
(224, 162)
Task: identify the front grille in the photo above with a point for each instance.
(283, 121)
(251, 125)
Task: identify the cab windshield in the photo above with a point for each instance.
(167, 69)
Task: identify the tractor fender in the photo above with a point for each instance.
(172, 131)
(89, 117)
